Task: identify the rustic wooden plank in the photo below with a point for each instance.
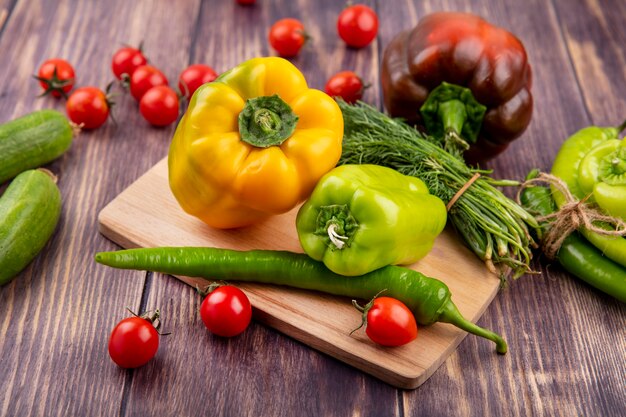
(596, 48)
(595, 36)
(275, 375)
(5, 9)
(536, 314)
(564, 358)
(57, 314)
(3, 17)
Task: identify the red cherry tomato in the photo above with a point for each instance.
(56, 77)
(193, 77)
(389, 322)
(133, 342)
(357, 25)
(346, 85)
(126, 60)
(159, 105)
(226, 311)
(246, 2)
(88, 107)
(144, 78)
(287, 36)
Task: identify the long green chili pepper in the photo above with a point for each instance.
(577, 255)
(428, 298)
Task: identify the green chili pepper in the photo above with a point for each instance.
(363, 217)
(577, 255)
(429, 299)
(592, 163)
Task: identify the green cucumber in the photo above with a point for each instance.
(29, 212)
(32, 140)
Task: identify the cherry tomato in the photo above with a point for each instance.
(226, 311)
(126, 60)
(246, 2)
(134, 341)
(389, 322)
(357, 25)
(347, 85)
(159, 105)
(56, 77)
(287, 36)
(144, 78)
(193, 77)
(89, 107)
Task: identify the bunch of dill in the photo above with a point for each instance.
(494, 227)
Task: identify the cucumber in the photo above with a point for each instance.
(32, 140)
(29, 212)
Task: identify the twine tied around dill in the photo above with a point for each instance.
(571, 216)
(464, 188)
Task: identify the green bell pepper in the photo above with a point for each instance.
(602, 174)
(362, 217)
(592, 163)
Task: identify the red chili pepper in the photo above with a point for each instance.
(459, 76)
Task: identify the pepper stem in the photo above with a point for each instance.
(453, 141)
(336, 238)
(452, 108)
(450, 314)
(618, 165)
(337, 224)
(365, 309)
(266, 121)
(452, 114)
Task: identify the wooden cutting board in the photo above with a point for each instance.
(147, 215)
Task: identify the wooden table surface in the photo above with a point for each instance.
(567, 340)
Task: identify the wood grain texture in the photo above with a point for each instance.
(3, 17)
(58, 313)
(6, 6)
(567, 353)
(531, 306)
(594, 35)
(147, 215)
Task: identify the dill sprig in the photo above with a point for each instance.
(493, 226)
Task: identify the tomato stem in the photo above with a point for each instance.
(365, 309)
(152, 316)
(109, 99)
(210, 288)
(307, 37)
(125, 81)
(54, 84)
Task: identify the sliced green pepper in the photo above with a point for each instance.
(592, 163)
(363, 217)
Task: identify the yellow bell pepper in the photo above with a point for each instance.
(252, 144)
